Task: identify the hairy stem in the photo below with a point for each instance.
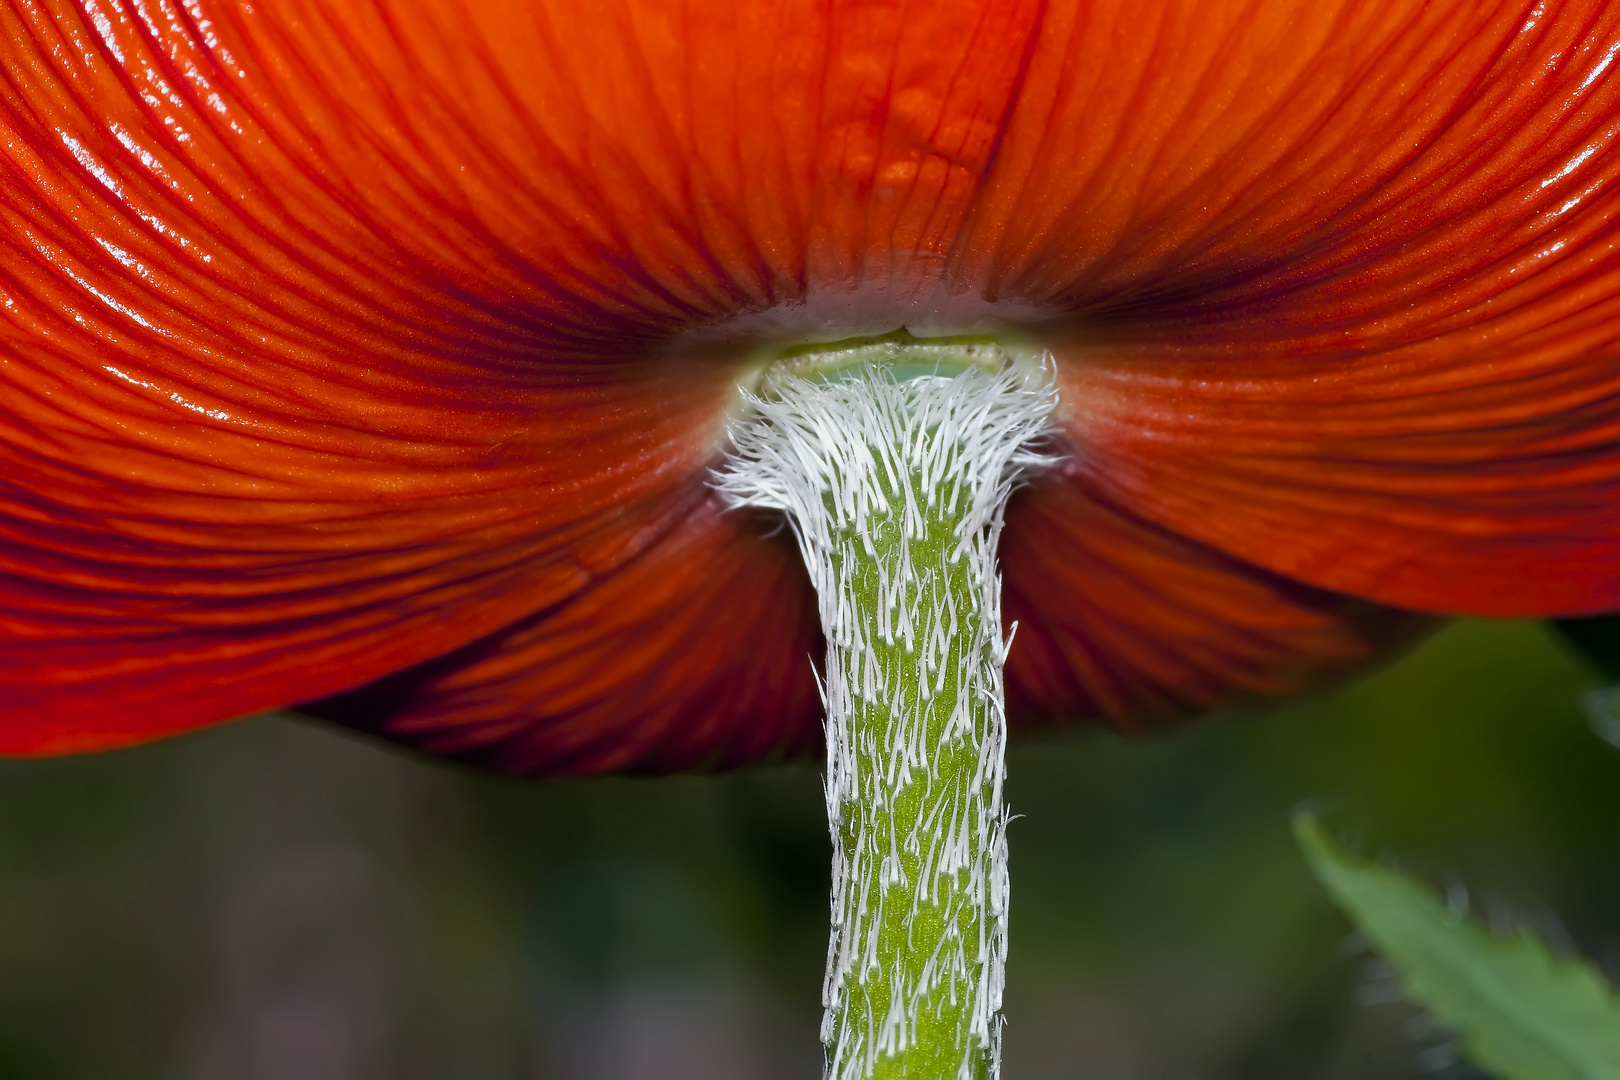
(895, 483)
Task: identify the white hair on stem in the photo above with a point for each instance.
(896, 489)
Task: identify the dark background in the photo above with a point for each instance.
(275, 900)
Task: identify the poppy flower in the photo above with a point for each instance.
(376, 355)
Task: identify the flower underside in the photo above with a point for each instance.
(373, 357)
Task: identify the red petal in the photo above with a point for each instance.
(1407, 481)
(142, 597)
(1121, 620)
(337, 337)
(655, 669)
(697, 653)
(326, 327)
(1343, 298)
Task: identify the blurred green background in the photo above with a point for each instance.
(274, 900)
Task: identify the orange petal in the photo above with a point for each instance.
(697, 653)
(1335, 284)
(1121, 620)
(334, 334)
(340, 336)
(657, 669)
(1408, 481)
(145, 595)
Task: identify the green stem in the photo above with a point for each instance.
(920, 926)
(896, 487)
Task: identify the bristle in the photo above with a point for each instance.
(896, 492)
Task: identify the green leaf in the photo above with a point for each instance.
(1522, 1012)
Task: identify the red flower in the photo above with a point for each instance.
(349, 341)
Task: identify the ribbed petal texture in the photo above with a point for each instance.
(393, 340)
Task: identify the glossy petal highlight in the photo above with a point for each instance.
(340, 339)
(1340, 285)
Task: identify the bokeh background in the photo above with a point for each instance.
(276, 900)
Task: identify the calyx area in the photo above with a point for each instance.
(893, 460)
(904, 356)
